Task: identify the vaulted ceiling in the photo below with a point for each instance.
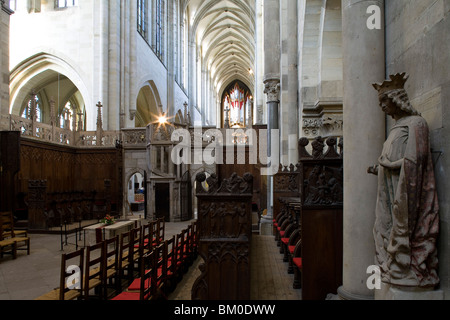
(225, 34)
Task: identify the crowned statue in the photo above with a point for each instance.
(407, 212)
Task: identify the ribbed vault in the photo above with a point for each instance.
(224, 31)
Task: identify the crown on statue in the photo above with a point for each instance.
(397, 82)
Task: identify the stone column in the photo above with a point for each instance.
(5, 13)
(364, 135)
(292, 82)
(272, 57)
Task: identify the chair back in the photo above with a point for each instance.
(94, 266)
(148, 278)
(71, 277)
(111, 256)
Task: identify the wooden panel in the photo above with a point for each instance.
(322, 254)
(70, 170)
(9, 166)
(224, 222)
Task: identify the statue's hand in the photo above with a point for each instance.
(373, 170)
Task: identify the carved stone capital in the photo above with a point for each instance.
(272, 89)
(132, 114)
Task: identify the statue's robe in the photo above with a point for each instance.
(407, 210)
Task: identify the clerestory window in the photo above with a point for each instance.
(142, 17)
(66, 3)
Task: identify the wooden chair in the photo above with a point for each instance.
(147, 282)
(111, 266)
(171, 264)
(7, 219)
(161, 264)
(160, 231)
(180, 253)
(136, 249)
(94, 270)
(147, 235)
(8, 234)
(124, 260)
(69, 288)
(8, 243)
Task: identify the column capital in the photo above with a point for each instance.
(272, 89)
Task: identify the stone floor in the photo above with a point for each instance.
(269, 278)
(30, 276)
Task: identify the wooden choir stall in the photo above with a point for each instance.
(308, 220)
(225, 229)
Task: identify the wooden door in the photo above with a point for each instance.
(162, 201)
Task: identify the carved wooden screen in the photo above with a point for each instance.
(224, 220)
(321, 218)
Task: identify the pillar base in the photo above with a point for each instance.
(266, 227)
(391, 292)
(345, 295)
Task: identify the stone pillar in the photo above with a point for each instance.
(272, 57)
(292, 82)
(364, 135)
(5, 13)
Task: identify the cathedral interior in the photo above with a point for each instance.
(308, 134)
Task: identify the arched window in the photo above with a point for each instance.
(142, 18)
(237, 106)
(27, 111)
(159, 28)
(71, 117)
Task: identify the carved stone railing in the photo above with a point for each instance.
(134, 138)
(54, 134)
(225, 228)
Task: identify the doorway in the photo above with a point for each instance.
(162, 201)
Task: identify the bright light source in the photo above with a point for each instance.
(162, 119)
(250, 71)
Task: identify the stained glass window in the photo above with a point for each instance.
(27, 111)
(237, 106)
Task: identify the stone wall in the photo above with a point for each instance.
(418, 43)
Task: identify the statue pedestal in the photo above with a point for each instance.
(390, 292)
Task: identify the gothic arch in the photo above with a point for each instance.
(148, 104)
(53, 78)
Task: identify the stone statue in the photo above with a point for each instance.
(407, 211)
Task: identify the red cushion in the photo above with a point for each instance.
(127, 296)
(285, 240)
(297, 262)
(136, 284)
(282, 233)
(291, 249)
